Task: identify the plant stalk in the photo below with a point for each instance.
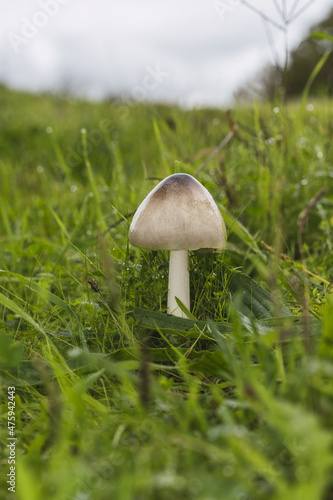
(179, 282)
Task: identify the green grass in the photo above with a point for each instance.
(115, 399)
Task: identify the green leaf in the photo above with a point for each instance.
(184, 309)
(11, 355)
(156, 354)
(326, 343)
(172, 324)
(322, 35)
(236, 227)
(86, 382)
(50, 297)
(211, 364)
(9, 304)
(27, 374)
(309, 83)
(292, 326)
(254, 299)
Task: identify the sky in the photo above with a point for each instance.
(188, 52)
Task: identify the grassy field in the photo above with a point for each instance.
(114, 399)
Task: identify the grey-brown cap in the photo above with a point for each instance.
(178, 214)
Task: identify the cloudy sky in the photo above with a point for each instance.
(192, 52)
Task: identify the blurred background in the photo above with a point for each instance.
(190, 53)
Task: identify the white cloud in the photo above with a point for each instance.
(104, 47)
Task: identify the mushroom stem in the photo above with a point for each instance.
(179, 282)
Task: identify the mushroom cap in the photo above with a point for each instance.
(178, 214)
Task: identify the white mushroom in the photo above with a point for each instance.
(179, 215)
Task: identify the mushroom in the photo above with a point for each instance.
(179, 215)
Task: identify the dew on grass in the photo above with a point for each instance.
(313, 120)
(310, 107)
(49, 130)
(91, 194)
(320, 154)
(304, 182)
(276, 110)
(73, 189)
(40, 169)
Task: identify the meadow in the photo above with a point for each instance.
(107, 395)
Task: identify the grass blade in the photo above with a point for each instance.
(255, 300)
(12, 306)
(50, 297)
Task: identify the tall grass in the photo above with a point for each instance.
(115, 399)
